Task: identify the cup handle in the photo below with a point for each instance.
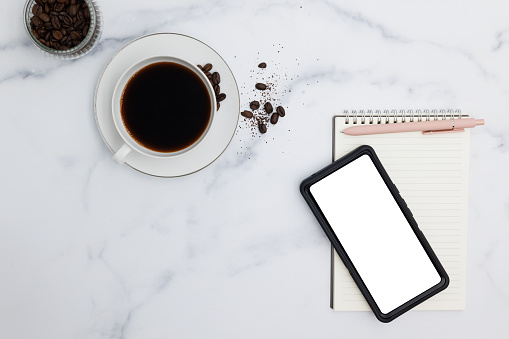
(122, 154)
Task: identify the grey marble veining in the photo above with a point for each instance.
(90, 249)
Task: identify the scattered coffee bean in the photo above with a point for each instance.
(247, 114)
(274, 118)
(262, 65)
(261, 86)
(216, 78)
(254, 104)
(268, 107)
(60, 24)
(207, 67)
(281, 111)
(262, 127)
(221, 97)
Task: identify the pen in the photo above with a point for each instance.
(427, 127)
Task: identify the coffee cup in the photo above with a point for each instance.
(162, 107)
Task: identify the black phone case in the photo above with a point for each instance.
(305, 190)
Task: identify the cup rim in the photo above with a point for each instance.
(116, 109)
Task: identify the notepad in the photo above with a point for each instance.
(431, 173)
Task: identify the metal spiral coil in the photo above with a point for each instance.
(369, 117)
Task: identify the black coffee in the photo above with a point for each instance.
(165, 107)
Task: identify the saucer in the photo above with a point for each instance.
(181, 46)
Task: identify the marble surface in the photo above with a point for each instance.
(90, 249)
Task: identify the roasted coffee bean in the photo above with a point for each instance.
(262, 65)
(73, 2)
(261, 86)
(36, 35)
(75, 35)
(209, 76)
(254, 104)
(59, 7)
(200, 67)
(62, 0)
(44, 17)
(53, 14)
(48, 26)
(42, 31)
(217, 89)
(85, 30)
(216, 78)
(42, 41)
(36, 10)
(262, 127)
(281, 111)
(47, 9)
(64, 31)
(247, 114)
(268, 107)
(48, 35)
(80, 15)
(36, 21)
(274, 118)
(207, 67)
(221, 97)
(55, 22)
(218, 106)
(51, 2)
(57, 35)
(67, 20)
(79, 24)
(39, 2)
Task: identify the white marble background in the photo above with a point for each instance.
(89, 249)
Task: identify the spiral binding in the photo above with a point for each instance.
(370, 117)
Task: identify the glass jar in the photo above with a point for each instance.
(85, 46)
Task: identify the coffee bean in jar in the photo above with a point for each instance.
(60, 24)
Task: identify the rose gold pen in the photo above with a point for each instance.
(427, 127)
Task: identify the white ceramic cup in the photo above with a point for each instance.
(131, 144)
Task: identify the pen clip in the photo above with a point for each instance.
(445, 131)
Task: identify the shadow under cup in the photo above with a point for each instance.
(162, 107)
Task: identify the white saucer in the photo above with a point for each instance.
(222, 129)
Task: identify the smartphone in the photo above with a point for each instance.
(374, 233)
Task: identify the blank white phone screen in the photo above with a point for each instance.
(375, 234)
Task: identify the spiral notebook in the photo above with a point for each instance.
(431, 173)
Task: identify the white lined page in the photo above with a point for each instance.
(431, 173)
